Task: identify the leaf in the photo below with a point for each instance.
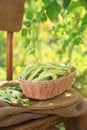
(27, 23)
(81, 29)
(77, 41)
(41, 15)
(36, 20)
(29, 15)
(24, 32)
(46, 2)
(84, 19)
(84, 3)
(74, 34)
(73, 5)
(53, 10)
(43, 18)
(66, 43)
(66, 3)
(18, 88)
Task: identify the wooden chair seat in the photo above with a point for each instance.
(66, 108)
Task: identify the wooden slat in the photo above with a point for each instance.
(11, 14)
(40, 124)
(68, 111)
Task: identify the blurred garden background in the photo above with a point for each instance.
(52, 30)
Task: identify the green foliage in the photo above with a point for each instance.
(60, 126)
(46, 2)
(2, 55)
(84, 3)
(69, 19)
(24, 32)
(84, 21)
(66, 3)
(52, 10)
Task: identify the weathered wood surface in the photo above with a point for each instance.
(70, 125)
(77, 123)
(67, 113)
(8, 83)
(40, 124)
(68, 98)
(68, 104)
(81, 121)
(11, 14)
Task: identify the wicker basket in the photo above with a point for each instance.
(47, 89)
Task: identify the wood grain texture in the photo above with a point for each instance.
(9, 83)
(68, 104)
(70, 97)
(70, 124)
(74, 110)
(67, 99)
(40, 124)
(11, 14)
(69, 110)
(9, 55)
(81, 121)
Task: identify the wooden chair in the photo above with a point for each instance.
(68, 108)
(61, 109)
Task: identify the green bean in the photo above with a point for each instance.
(44, 75)
(45, 71)
(35, 72)
(29, 71)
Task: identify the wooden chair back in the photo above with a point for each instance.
(11, 15)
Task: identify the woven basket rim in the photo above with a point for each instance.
(73, 71)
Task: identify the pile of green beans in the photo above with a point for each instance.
(14, 96)
(45, 71)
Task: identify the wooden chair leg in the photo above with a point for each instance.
(9, 55)
(70, 124)
(81, 122)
